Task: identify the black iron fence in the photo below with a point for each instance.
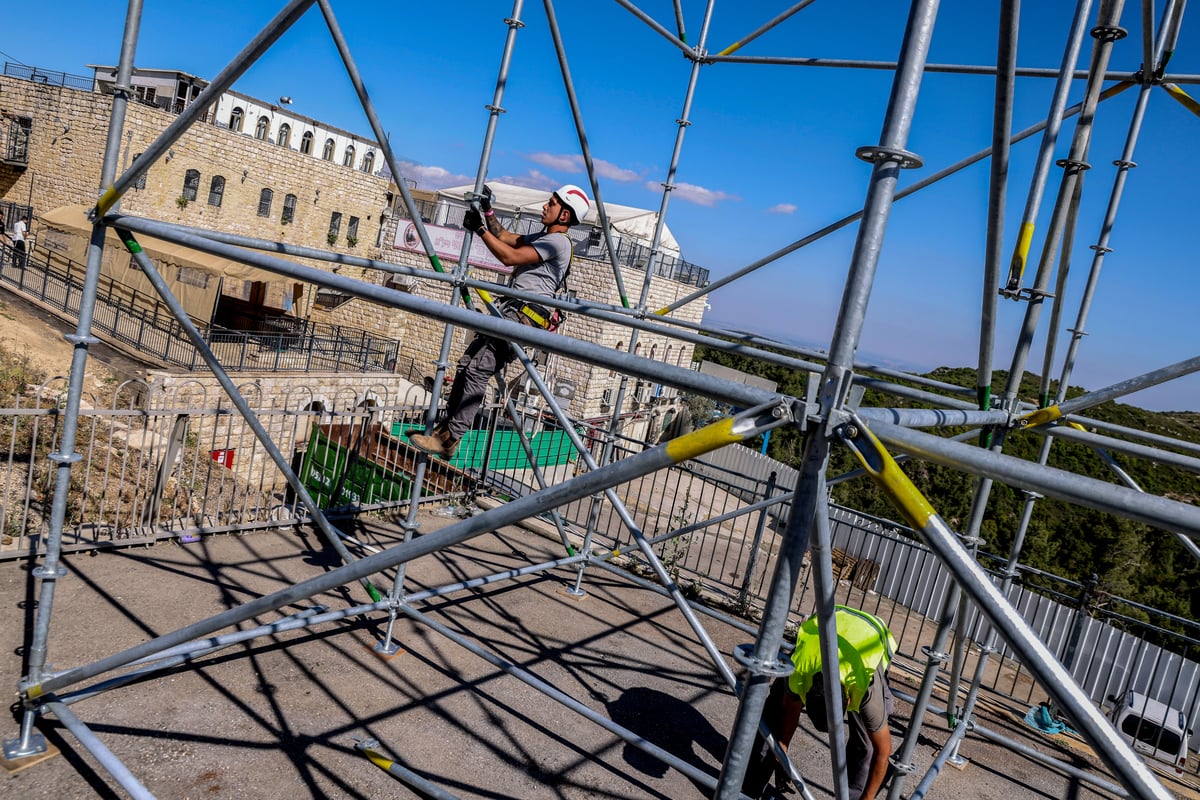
(144, 324)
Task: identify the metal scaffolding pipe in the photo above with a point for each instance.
(1096, 441)
(50, 570)
(239, 402)
(934, 417)
(565, 699)
(1076, 489)
(857, 215)
(923, 786)
(198, 107)
(888, 157)
(949, 69)
(586, 150)
(1115, 752)
(737, 394)
(743, 426)
(1002, 109)
(425, 787)
(109, 762)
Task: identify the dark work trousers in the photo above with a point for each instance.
(859, 749)
(483, 358)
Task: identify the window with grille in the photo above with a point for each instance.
(191, 184)
(348, 157)
(352, 230)
(264, 202)
(368, 161)
(216, 191)
(236, 118)
(284, 137)
(327, 153)
(306, 143)
(289, 209)
(260, 130)
(335, 224)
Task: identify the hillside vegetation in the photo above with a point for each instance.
(1131, 560)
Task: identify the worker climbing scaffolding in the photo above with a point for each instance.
(540, 263)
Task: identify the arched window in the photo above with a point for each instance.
(284, 137)
(620, 346)
(216, 191)
(191, 184)
(653, 352)
(327, 153)
(368, 164)
(289, 209)
(264, 202)
(306, 143)
(348, 158)
(140, 183)
(260, 130)
(236, 118)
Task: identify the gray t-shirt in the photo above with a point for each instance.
(545, 276)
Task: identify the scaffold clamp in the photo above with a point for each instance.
(744, 655)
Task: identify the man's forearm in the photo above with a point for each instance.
(882, 742)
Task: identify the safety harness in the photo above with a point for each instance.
(548, 319)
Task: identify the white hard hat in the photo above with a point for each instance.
(575, 199)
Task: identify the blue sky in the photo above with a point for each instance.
(768, 158)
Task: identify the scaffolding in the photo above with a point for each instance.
(830, 418)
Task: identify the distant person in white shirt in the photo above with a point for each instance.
(20, 230)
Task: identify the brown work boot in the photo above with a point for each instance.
(436, 443)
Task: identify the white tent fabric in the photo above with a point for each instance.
(636, 222)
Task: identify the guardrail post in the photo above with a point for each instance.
(744, 593)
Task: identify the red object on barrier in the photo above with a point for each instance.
(224, 457)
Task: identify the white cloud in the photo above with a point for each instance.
(431, 177)
(783, 208)
(691, 193)
(605, 169)
(534, 179)
(560, 163)
(575, 164)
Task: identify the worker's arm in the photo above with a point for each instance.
(508, 248)
(881, 740)
(500, 232)
(789, 719)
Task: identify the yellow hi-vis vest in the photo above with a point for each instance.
(865, 646)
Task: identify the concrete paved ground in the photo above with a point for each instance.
(278, 718)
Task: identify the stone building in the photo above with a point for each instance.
(256, 169)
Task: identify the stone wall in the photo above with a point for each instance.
(67, 142)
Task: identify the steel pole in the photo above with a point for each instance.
(198, 107)
(887, 158)
(1002, 110)
(239, 402)
(28, 743)
(857, 215)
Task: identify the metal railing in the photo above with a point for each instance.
(631, 252)
(158, 467)
(1110, 647)
(144, 324)
(48, 77)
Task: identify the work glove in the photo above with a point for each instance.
(472, 221)
(485, 199)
